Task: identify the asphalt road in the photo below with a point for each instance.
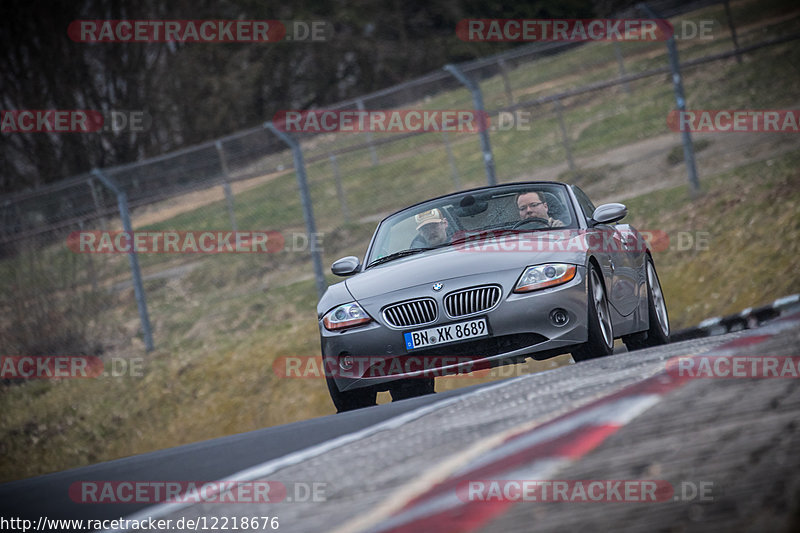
(736, 439)
(740, 436)
(48, 495)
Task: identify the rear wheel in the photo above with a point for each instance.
(600, 329)
(352, 399)
(658, 332)
(411, 388)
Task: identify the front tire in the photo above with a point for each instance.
(658, 331)
(411, 388)
(600, 329)
(349, 400)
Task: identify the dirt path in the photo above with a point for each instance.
(167, 209)
(642, 167)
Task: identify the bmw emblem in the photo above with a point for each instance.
(437, 286)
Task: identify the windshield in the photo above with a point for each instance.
(445, 221)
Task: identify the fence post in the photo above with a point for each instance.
(680, 100)
(452, 160)
(305, 200)
(339, 190)
(226, 186)
(90, 265)
(483, 125)
(621, 63)
(96, 201)
(728, 16)
(372, 153)
(564, 137)
(506, 84)
(138, 289)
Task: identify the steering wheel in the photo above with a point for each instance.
(543, 222)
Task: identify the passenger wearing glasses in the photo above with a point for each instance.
(531, 205)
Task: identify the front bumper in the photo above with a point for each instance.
(519, 326)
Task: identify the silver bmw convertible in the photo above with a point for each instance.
(482, 278)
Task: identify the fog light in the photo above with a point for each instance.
(346, 362)
(559, 317)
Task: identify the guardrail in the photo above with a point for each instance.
(749, 318)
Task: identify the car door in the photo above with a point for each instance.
(611, 248)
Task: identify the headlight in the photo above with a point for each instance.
(543, 276)
(345, 316)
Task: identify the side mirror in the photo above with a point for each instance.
(346, 266)
(608, 213)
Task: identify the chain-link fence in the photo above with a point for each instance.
(592, 113)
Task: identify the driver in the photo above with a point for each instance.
(532, 205)
(432, 227)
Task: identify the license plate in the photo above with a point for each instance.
(447, 333)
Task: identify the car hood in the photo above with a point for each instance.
(479, 257)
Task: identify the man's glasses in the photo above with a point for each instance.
(533, 205)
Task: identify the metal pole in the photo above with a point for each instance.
(138, 288)
(677, 83)
(226, 186)
(339, 190)
(305, 200)
(96, 201)
(90, 265)
(372, 153)
(452, 160)
(564, 137)
(621, 63)
(728, 16)
(483, 125)
(506, 84)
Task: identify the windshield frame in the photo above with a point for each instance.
(435, 202)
